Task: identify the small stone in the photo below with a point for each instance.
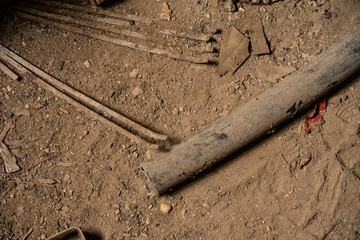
(165, 12)
(134, 73)
(165, 208)
(207, 15)
(8, 88)
(61, 65)
(230, 6)
(224, 113)
(176, 111)
(65, 208)
(66, 177)
(43, 236)
(327, 14)
(108, 168)
(135, 154)
(87, 64)
(9, 114)
(137, 91)
(268, 229)
(27, 106)
(117, 211)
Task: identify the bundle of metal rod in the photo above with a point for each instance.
(103, 114)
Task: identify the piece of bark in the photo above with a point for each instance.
(234, 51)
(272, 72)
(259, 45)
(5, 131)
(8, 158)
(8, 72)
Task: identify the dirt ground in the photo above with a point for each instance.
(289, 185)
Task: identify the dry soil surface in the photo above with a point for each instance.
(289, 185)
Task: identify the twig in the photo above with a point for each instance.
(194, 36)
(29, 75)
(8, 72)
(96, 11)
(5, 131)
(27, 234)
(86, 23)
(116, 41)
(82, 98)
(42, 161)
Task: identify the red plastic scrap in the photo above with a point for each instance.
(316, 115)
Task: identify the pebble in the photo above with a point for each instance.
(66, 177)
(137, 91)
(134, 73)
(176, 111)
(165, 208)
(9, 114)
(27, 106)
(135, 154)
(117, 211)
(87, 64)
(65, 208)
(224, 113)
(61, 65)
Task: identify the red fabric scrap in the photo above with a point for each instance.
(316, 115)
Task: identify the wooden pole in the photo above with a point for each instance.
(82, 98)
(255, 118)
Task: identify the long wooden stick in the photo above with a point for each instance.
(15, 61)
(96, 11)
(103, 110)
(256, 117)
(86, 23)
(116, 41)
(8, 72)
(111, 16)
(69, 13)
